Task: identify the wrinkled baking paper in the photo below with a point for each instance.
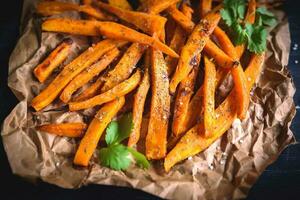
(226, 170)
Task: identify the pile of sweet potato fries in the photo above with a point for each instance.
(157, 51)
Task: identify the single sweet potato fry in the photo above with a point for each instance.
(71, 70)
(183, 96)
(56, 57)
(109, 29)
(65, 129)
(91, 91)
(225, 42)
(87, 74)
(194, 46)
(191, 143)
(220, 57)
(120, 4)
(148, 23)
(116, 92)
(118, 31)
(184, 21)
(156, 139)
(47, 8)
(92, 136)
(209, 97)
(138, 108)
(124, 67)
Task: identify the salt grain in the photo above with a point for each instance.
(190, 158)
(241, 141)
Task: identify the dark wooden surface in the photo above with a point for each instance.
(281, 180)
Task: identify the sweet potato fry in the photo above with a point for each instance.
(138, 108)
(178, 40)
(186, 23)
(70, 71)
(109, 29)
(250, 18)
(65, 129)
(209, 97)
(156, 139)
(71, 26)
(191, 143)
(86, 75)
(124, 67)
(225, 43)
(120, 4)
(47, 8)
(91, 91)
(205, 7)
(56, 57)
(117, 31)
(183, 96)
(194, 46)
(116, 92)
(148, 23)
(220, 57)
(91, 138)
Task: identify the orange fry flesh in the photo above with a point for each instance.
(91, 91)
(183, 96)
(87, 74)
(138, 108)
(109, 29)
(116, 92)
(47, 8)
(186, 23)
(65, 129)
(205, 7)
(156, 139)
(118, 31)
(56, 57)
(91, 138)
(124, 67)
(120, 4)
(209, 97)
(71, 70)
(221, 58)
(193, 47)
(148, 23)
(192, 143)
(178, 40)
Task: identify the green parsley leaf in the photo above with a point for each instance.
(257, 38)
(117, 131)
(115, 157)
(140, 159)
(266, 17)
(226, 16)
(233, 11)
(125, 127)
(239, 33)
(112, 132)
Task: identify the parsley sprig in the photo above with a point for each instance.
(253, 35)
(116, 155)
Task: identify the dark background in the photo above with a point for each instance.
(281, 180)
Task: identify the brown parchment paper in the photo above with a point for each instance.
(226, 170)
